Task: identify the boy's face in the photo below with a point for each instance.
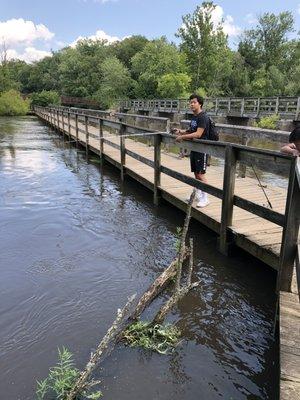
(194, 105)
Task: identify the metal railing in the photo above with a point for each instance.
(285, 107)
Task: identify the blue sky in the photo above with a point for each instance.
(32, 28)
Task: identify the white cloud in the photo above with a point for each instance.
(99, 35)
(19, 31)
(298, 9)
(29, 54)
(227, 22)
(251, 19)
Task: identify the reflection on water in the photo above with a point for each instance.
(75, 243)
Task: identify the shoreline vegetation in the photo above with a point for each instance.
(265, 62)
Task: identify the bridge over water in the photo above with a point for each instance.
(238, 212)
(243, 107)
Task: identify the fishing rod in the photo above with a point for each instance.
(260, 184)
(131, 135)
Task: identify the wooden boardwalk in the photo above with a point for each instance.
(271, 239)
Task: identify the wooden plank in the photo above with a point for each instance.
(122, 151)
(228, 197)
(290, 233)
(157, 168)
(140, 158)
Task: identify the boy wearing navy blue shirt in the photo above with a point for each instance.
(198, 129)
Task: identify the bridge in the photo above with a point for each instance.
(243, 107)
(238, 212)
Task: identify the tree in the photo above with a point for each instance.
(173, 86)
(264, 45)
(156, 59)
(45, 98)
(205, 46)
(115, 82)
(127, 48)
(11, 103)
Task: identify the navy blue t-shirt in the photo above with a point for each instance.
(200, 120)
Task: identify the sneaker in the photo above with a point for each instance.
(202, 203)
(198, 196)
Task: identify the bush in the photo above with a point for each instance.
(173, 86)
(12, 103)
(269, 122)
(45, 98)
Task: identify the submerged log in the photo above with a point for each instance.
(82, 382)
(156, 288)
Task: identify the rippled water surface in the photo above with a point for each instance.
(75, 244)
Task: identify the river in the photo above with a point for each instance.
(75, 243)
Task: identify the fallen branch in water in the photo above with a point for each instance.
(111, 334)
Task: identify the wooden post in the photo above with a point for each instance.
(122, 151)
(157, 165)
(86, 124)
(57, 114)
(229, 106)
(258, 107)
(243, 107)
(216, 107)
(277, 105)
(76, 128)
(100, 138)
(69, 126)
(228, 194)
(63, 122)
(290, 231)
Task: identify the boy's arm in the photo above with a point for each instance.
(194, 135)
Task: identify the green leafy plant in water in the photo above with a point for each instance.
(160, 338)
(61, 379)
(178, 238)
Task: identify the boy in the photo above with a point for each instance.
(199, 129)
(293, 148)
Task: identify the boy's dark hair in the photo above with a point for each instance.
(199, 98)
(295, 135)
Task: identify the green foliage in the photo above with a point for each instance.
(12, 103)
(61, 379)
(159, 338)
(266, 63)
(206, 49)
(178, 238)
(173, 86)
(115, 82)
(158, 58)
(45, 98)
(128, 48)
(269, 122)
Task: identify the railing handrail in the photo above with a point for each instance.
(236, 106)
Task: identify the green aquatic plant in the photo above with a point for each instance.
(160, 338)
(62, 378)
(178, 238)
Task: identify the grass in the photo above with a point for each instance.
(61, 379)
(160, 338)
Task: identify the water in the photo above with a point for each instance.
(75, 244)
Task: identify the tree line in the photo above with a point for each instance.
(266, 62)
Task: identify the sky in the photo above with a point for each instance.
(31, 29)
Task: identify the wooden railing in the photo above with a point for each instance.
(285, 107)
(266, 160)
